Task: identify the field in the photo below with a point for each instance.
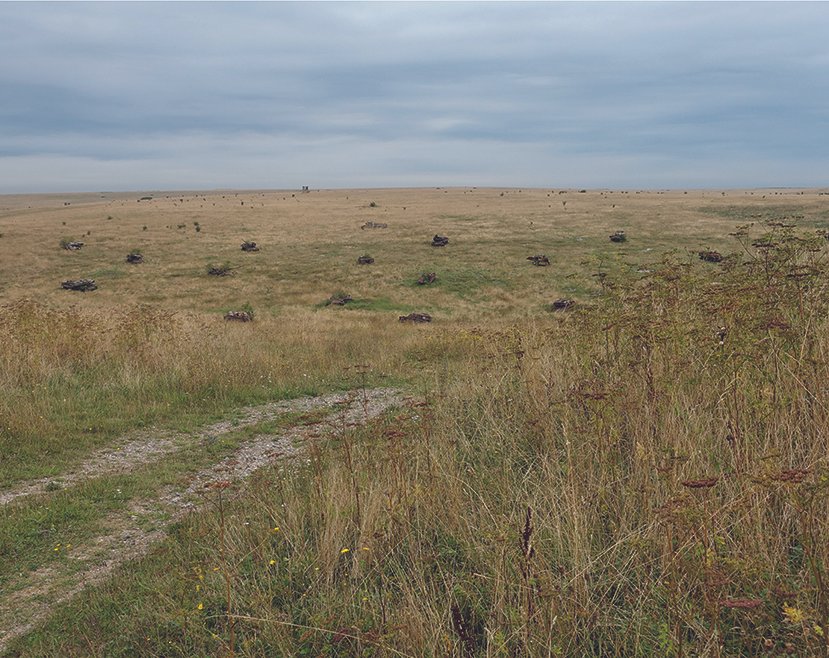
(645, 473)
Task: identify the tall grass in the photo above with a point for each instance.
(645, 478)
(72, 379)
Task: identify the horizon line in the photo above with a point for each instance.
(575, 189)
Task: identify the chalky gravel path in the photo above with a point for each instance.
(125, 539)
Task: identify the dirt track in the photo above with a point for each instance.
(130, 535)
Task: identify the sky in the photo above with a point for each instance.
(653, 95)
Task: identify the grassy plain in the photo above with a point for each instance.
(622, 479)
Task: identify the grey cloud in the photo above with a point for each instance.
(202, 95)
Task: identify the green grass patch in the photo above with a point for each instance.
(464, 282)
(380, 304)
(109, 273)
(757, 213)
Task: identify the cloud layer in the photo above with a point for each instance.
(125, 96)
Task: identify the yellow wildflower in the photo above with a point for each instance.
(345, 550)
(794, 615)
(200, 606)
(272, 562)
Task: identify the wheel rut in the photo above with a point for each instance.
(144, 447)
(129, 534)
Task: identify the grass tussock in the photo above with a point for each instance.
(646, 477)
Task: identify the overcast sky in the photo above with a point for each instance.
(140, 96)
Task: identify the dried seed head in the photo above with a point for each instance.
(526, 535)
(793, 475)
(704, 483)
(741, 604)
(459, 624)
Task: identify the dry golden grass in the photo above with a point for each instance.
(625, 479)
(310, 243)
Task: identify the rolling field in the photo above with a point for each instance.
(643, 474)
